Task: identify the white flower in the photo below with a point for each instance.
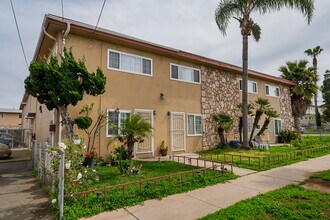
(79, 176)
(85, 146)
(62, 146)
(94, 171)
(53, 201)
(85, 171)
(68, 164)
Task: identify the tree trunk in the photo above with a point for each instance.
(255, 123)
(130, 146)
(222, 137)
(245, 92)
(317, 113)
(240, 128)
(67, 121)
(264, 127)
(297, 126)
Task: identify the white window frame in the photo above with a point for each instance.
(277, 119)
(113, 110)
(194, 135)
(2, 115)
(279, 91)
(188, 67)
(129, 54)
(249, 81)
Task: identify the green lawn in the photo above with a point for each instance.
(119, 197)
(322, 175)
(290, 202)
(274, 157)
(317, 131)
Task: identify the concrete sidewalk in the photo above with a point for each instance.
(200, 202)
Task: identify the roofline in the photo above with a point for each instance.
(90, 29)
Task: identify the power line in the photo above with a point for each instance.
(19, 34)
(98, 20)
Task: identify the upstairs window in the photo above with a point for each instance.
(272, 91)
(129, 63)
(252, 86)
(185, 74)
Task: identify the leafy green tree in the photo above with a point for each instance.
(58, 85)
(225, 123)
(326, 96)
(240, 122)
(241, 11)
(270, 113)
(133, 130)
(314, 52)
(303, 91)
(260, 105)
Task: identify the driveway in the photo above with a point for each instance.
(20, 196)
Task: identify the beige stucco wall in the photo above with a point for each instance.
(10, 119)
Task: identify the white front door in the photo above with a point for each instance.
(177, 131)
(147, 146)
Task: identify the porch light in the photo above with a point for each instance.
(162, 96)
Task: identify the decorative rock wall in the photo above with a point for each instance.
(220, 94)
(285, 106)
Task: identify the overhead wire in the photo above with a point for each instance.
(19, 33)
(98, 20)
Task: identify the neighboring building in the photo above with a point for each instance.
(309, 119)
(176, 91)
(10, 118)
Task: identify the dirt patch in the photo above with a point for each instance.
(318, 184)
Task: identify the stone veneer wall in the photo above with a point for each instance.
(285, 106)
(220, 94)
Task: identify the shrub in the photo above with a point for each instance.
(297, 144)
(83, 122)
(286, 136)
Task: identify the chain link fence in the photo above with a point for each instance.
(15, 137)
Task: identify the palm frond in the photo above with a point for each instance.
(256, 31)
(225, 10)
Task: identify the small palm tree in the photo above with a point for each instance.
(314, 52)
(240, 122)
(326, 96)
(133, 130)
(260, 105)
(225, 122)
(270, 113)
(303, 91)
(241, 11)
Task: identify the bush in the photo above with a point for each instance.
(286, 136)
(83, 122)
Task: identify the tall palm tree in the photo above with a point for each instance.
(303, 91)
(270, 113)
(260, 105)
(314, 52)
(240, 123)
(241, 11)
(225, 123)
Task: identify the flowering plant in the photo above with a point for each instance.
(91, 153)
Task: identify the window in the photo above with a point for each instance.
(185, 74)
(20, 116)
(252, 86)
(129, 63)
(272, 91)
(2, 115)
(194, 124)
(278, 126)
(117, 118)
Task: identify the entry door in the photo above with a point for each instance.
(177, 131)
(147, 146)
(271, 131)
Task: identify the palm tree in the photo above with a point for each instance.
(133, 130)
(240, 123)
(241, 11)
(225, 123)
(326, 96)
(303, 91)
(260, 105)
(270, 113)
(314, 52)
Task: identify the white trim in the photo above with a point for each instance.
(239, 79)
(279, 91)
(180, 80)
(184, 136)
(107, 125)
(194, 135)
(126, 71)
(152, 132)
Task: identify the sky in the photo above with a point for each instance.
(187, 25)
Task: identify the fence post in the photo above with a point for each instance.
(61, 185)
(32, 154)
(45, 165)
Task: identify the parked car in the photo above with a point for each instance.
(8, 139)
(5, 151)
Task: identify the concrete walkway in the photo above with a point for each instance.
(200, 202)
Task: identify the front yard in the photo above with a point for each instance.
(136, 188)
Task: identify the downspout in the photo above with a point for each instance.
(55, 53)
(63, 45)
